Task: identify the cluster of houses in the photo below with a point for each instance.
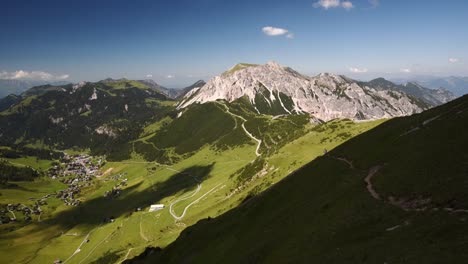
(9, 214)
(116, 190)
(80, 166)
(76, 171)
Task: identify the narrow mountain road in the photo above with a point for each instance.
(126, 256)
(12, 213)
(78, 249)
(259, 142)
(142, 234)
(199, 186)
(94, 248)
(194, 202)
(171, 210)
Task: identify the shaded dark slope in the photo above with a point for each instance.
(325, 213)
(9, 101)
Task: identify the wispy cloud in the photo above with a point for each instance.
(290, 36)
(327, 4)
(374, 3)
(170, 76)
(33, 75)
(358, 70)
(149, 76)
(274, 31)
(405, 70)
(453, 60)
(347, 5)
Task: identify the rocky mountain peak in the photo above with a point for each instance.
(274, 89)
(274, 65)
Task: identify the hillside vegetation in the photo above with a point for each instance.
(391, 195)
(205, 181)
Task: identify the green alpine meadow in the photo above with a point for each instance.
(312, 131)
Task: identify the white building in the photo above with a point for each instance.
(156, 207)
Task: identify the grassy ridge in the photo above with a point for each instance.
(323, 212)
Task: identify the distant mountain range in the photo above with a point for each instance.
(457, 85)
(16, 87)
(274, 89)
(430, 96)
(172, 92)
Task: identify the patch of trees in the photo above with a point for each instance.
(20, 151)
(9, 172)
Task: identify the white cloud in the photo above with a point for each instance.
(327, 4)
(358, 70)
(170, 76)
(347, 5)
(273, 31)
(33, 75)
(290, 36)
(374, 3)
(453, 60)
(405, 70)
(149, 76)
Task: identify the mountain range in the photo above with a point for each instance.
(85, 115)
(16, 86)
(259, 164)
(456, 85)
(274, 89)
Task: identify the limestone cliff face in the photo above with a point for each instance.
(326, 96)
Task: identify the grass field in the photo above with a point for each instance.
(205, 179)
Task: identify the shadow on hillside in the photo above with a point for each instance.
(96, 211)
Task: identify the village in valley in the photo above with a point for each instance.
(76, 171)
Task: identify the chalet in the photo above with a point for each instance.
(156, 207)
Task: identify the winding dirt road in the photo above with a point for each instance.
(171, 210)
(259, 142)
(192, 203)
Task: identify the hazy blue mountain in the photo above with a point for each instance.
(434, 97)
(457, 85)
(18, 86)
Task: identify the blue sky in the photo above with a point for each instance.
(179, 42)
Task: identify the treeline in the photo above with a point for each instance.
(19, 151)
(10, 172)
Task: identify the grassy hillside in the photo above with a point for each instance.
(395, 194)
(204, 184)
